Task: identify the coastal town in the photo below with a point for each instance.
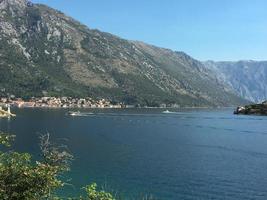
(58, 102)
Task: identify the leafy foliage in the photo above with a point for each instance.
(93, 194)
(21, 178)
(55, 155)
(6, 139)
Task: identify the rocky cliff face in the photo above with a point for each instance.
(44, 52)
(247, 79)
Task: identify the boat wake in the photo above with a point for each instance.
(169, 112)
(79, 114)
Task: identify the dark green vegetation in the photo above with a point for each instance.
(44, 52)
(254, 109)
(21, 178)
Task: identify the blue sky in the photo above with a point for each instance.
(205, 29)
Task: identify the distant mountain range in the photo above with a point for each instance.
(46, 53)
(248, 79)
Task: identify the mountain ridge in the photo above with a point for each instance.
(247, 78)
(57, 55)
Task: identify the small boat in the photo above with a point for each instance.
(166, 112)
(79, 114)
(71, 113)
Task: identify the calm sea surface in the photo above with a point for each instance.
(189, 154)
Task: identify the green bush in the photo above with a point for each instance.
(93, 194)
(21, 178)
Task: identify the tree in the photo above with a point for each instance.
(23, 179)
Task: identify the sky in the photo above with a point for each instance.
(220, 30)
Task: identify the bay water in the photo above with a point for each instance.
(184, 154)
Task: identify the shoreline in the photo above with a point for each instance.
(122, 108)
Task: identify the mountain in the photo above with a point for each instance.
(44, 52)
(248, 79)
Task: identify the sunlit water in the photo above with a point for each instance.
(190, 154)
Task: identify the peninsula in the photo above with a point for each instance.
(254, 109)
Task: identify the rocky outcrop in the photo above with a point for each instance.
(254, 109)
